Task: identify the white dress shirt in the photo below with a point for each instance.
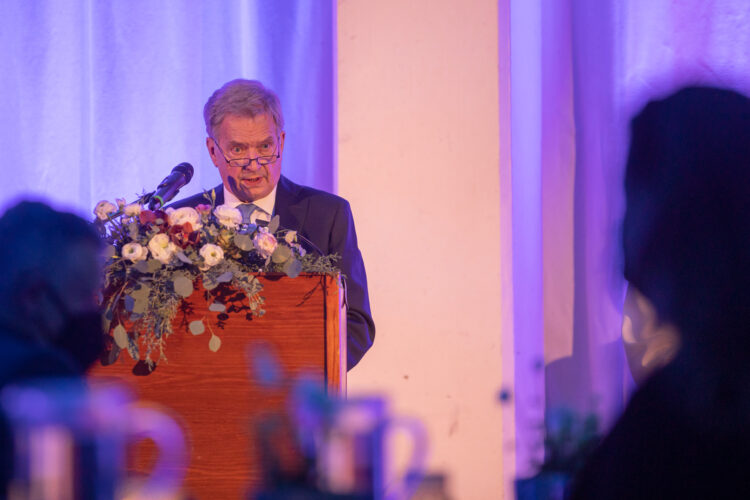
(265, 204)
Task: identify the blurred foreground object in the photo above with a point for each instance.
(569, 439)
(70, 443)
(50, 325)
(343, 443)
(686, 237)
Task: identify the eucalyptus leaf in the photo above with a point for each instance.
(112, 356)
(243, 242)
(141, 266)
(121, 337)
(214, 344)
(282, 254)
(141, 299)
(109, 252)
(292, 268)
(133, 351)
(133, 230)
(129, 303)
(184, 258)
(217, 307)
(273, 226)
(225, 277)
(183, 286)
(153, 265)
(197, 327)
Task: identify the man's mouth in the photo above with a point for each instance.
(252, 181)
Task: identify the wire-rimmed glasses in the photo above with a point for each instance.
(244, 162)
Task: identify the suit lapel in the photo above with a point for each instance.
(219, 190)
(291, 210)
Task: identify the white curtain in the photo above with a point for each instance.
(579, 70)
(101, 99)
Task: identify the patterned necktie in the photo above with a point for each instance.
(247, 209)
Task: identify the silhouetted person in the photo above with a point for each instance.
(686, 236)
(50, 324)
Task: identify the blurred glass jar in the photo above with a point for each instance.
(70, 442)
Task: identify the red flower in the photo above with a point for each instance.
(183, 235)
(149, 218)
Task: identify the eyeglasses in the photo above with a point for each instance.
(244, 162)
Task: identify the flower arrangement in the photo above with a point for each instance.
(156, 257)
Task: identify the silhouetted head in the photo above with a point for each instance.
(686, 232)
(51, 271)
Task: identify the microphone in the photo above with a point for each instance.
(170, 186)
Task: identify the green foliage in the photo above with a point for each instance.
(197, 327)
(144, 289)
(569, 440)
(183, 286)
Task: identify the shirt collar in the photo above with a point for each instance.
(267, 203)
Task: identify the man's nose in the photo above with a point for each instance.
(253, 165)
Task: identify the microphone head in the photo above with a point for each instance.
(186, 170)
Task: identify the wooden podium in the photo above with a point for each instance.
(213, 394)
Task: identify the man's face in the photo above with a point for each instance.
(244, 137)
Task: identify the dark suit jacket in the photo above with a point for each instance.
(326, 220)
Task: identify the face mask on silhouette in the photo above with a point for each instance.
(82, 334)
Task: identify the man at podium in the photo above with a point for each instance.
(245, 128)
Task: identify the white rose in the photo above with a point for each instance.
(265, 242)
(290, 237)
(185, 214)
(103, 209)
(161, 248)
(132, 210)
(212, 254)
(134, 252)
(228, 216)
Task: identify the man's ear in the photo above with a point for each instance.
(211, 146)
(282, 136)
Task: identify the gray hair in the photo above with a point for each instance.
(240, 97)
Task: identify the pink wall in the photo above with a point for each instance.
(418, 121)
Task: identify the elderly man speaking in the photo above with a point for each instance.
(246, 136)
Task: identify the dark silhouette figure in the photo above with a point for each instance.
(686, 237)
(50, 325)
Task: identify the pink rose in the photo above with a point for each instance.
(265, 242)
